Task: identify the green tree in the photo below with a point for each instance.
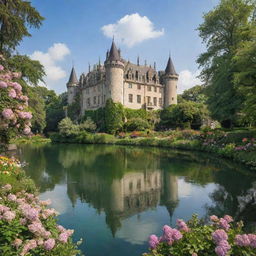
(16, 16)
(196, 94)
(245, 78)
(88, 125)
(187, 114)
(67, 128)
(223, 30)
(114, 116)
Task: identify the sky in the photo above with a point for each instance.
(79, 32)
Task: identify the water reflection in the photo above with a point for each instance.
(155, 185)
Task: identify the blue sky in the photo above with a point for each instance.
(72, 29)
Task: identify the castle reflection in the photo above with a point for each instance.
(125, 181)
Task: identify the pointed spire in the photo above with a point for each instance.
(73, 78)
(114, 54)
(138, 60)
(170, 70)
(154, 65)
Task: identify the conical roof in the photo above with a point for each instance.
(73, 77)
(170, 70)
(113, 54)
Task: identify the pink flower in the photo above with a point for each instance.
(30, 245)
(242, 240)
(29, 212)
(222, 248)
(26, 130)
(9, 216)
(17, 243)
(11, 197)
(153, 241)
(49, 244)
(17, 87)
(3, 84)
(228, 218)
(4, 208)
(182, 226)
(46, 202)
(61, 228)
(219, 235)
(224, 224)
(1, 68)
(252, 238)
(12, 93)
(170, 235)
(63, 237)
(8, 114)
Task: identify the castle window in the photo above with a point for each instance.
(155, 101)
(138, 86)
(137, 75)
(87, 90)
(139, 184)
(160, 102)
(172, 98)
(149, 100)
(88, 102)
(129, 85)
(160, 89)
(94, 100)
(104, 98)
(155, 88)
(149, 88)
(138, 98)
(99, 100)
(130, 97)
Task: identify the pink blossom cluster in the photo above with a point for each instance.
(246, 240)
(220, 238)
(12, 117)
(182, 226)
(170, 235)
(32, 214)
(223, 223)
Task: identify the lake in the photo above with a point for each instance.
(114, 197)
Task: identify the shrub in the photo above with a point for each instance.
(88, 125)
(67, 128)
(136, 124)
(219, 237)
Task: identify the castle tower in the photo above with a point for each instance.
(170, 82)
(72, 86)
(114, 75)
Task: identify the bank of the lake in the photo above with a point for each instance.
(239, 146)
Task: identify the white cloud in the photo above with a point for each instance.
(187, 79)
(49, 60)
(132, 29)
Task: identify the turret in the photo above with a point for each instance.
(114, 75)
(170, 81)
(72, 86)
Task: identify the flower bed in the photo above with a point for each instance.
(27, 225)
(220, 237)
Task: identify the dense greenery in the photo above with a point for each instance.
(16, 16)
(228, 30)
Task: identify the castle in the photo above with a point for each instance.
(135, 86)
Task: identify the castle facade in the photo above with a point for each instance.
(135, 86)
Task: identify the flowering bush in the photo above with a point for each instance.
(14, 114)
(222, 237)
(9, 166)
(28, 227)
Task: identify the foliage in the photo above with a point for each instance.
(114, 116)
(14, 115)
(136, 124)
(88, 125)
(15, 18)
(27, 226)
(55, 111)
(223, 30)
(196, 94)
(245, 78)
(32, 70)
(222, 236)
(185, 115)
(67, 128)
(74, 109)
(35, 139)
